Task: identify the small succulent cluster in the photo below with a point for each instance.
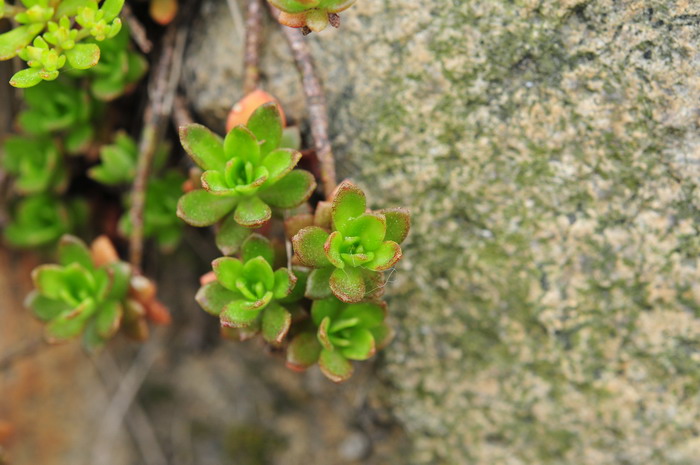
(53, 34)
(60, 119)
(311, 15)
(321, 301)
(118, 168)
(245, 176)
(94, 294)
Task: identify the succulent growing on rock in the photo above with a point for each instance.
(349, 246)
(245, 175)
(247, 293)
(91, 292)
(341, 333)
(311, 15)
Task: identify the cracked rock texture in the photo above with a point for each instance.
(547, 306)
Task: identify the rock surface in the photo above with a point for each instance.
(547, 307)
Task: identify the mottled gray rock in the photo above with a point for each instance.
(547, 307)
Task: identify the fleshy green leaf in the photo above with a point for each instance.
(252, 212)
(368, 314)
(200, 208)
(241, 143)
(276, 321)
(108, 318)
(318, 284)
(361, 345)
(73, 250)
(215, 182)
(296, 223)
(290, 191)
(369, 227)
(119, 278)
(63, 328)
(231, 235)
(259, 270)
(15, 40)
(385, 256)
(83, 56)
(284, 283)
(44, 308)
(49, 280)
(111, 9)
(303, 351)
(204, 147)
(308, 245)
(322, 334)
(382, 335)
(256, 245)
(336, 367)
(213, 297)
(280, 162)
(348, 202)
(26, 78)
(321, 309)
(239, 314)
(228, 270)
(266, 124)
(398, 224)
(348, 284)
(332, 249)
(323, 215)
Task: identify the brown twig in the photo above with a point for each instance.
(25, 350)
(181, 112)
(253, 39)
(161, 92)
(316, 102)
(136, 29)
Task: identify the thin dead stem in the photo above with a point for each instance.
(253, 40)
(138, 32)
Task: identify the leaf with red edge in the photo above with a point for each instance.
(266, 124)
(252, 212)
(303, 351)
(369, 227)
(334, 366)
(257, 246)
(213, 297)
(317, 286)
(228, 270)
(284, 283)
(241, 143)
(204, 147)
(349, 202)
(290, 191)
(276, 321)
(231, 236)
(108, 318)
(332, 249)
(323, 215)
(361, 345)
(385, 256)
(279, 163)
(240, 314)
(398, 224)
(348, 284)
(201, 208)
(309, 247)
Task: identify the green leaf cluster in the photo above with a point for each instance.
(349, 247)
(52, 34)
(77, 297)
(42, 219)
(248, 294)
(245, 176)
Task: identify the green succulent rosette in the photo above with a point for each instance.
(76, 297)
(36, 163)
(245, 176)
(40, 220)
(353, 248)
(341, 333)
(249, 295)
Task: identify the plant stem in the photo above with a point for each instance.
(253, 39)
(161, 92)
(138, 32)
(316, 102)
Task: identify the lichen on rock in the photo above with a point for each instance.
(547, 305)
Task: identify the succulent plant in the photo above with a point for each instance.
(341, 333)
(36, 164)
(42, 219)
(248, 294)
(349, 246)
(159, 220)
(245, 175)
(90, 292)
(313, 15)
(57, 32)
(59, 106)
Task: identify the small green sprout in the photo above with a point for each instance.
(349, 247)
(342, 332)
(60, 106)
(245, 175)
(248, 294)
(52, 35)
(42, 219)
(311, 15)
(36, 164)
